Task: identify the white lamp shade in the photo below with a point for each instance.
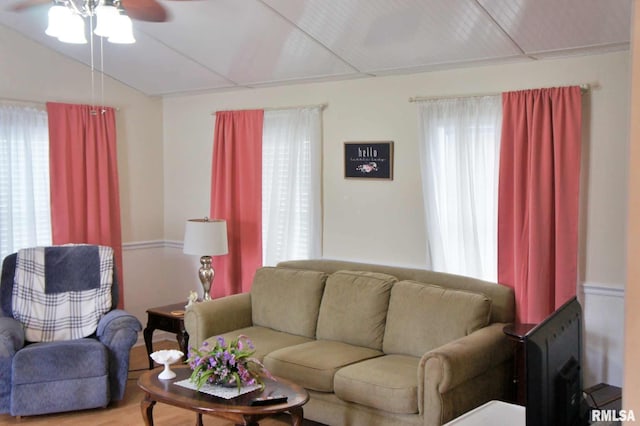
(205, 237)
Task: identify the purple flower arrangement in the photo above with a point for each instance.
(226, 364)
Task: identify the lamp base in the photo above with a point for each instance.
(206, 274)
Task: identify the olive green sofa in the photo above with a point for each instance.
(373, 344)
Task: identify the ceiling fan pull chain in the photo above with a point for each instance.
(93, 68)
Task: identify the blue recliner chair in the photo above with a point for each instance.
(62, 375)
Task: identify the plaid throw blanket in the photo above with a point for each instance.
(57, 316)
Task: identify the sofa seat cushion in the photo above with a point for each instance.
(264, 339)
(444, 315)
(354, 308)
(297, 293)
(57, 361)
(313, 364)
(388, 383)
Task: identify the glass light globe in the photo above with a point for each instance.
(58, 18)
(73, 32)
(122, 31)
(106, 16)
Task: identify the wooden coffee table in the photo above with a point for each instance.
(238, 409)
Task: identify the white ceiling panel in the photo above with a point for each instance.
(554, 26)
(152, 68)
(376, 35)
(245, 42)
(210, 45)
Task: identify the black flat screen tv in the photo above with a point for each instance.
(554, 369)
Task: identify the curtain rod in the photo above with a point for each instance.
(39, 104)
(24, 102)
(321, 106)
(583, 88)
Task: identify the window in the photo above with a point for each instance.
(291, 176)
(459, 152)
(25, 217)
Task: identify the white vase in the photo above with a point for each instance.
(167, 373)
(166, 357)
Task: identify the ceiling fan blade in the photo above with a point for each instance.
(144, 10)
(25, 4)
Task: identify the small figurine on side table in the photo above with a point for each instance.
(193, 298)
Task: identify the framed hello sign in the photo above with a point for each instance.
(368, 160)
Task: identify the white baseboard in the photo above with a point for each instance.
(158, 336)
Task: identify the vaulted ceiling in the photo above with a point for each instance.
(210, 45)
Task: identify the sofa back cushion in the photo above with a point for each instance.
(502, 297)
(354, 308)
(287, 299)
(423, 317)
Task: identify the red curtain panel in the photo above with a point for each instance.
(85, 198)
(538, 198)
(236, 196)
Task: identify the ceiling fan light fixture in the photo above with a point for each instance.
(122, 31)
(73, 32)
(58, 17)
(66, 21)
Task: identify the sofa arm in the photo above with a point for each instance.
(210, 318)
(118, 331)
(11, 337)
(464, 374)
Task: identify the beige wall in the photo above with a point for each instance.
(631, 389)
(31, 72)
(383, 221)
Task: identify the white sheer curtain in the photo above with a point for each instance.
(25, 216)
(291, 184)
(459, 155)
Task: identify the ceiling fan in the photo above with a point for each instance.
(141, 10)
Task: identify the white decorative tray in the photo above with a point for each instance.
(219, 391)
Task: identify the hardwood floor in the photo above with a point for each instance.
(127, 411)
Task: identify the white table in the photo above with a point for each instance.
(495, 413)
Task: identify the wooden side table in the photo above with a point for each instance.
(516, 333)
(167, 318)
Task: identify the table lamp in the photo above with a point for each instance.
(206, 237)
